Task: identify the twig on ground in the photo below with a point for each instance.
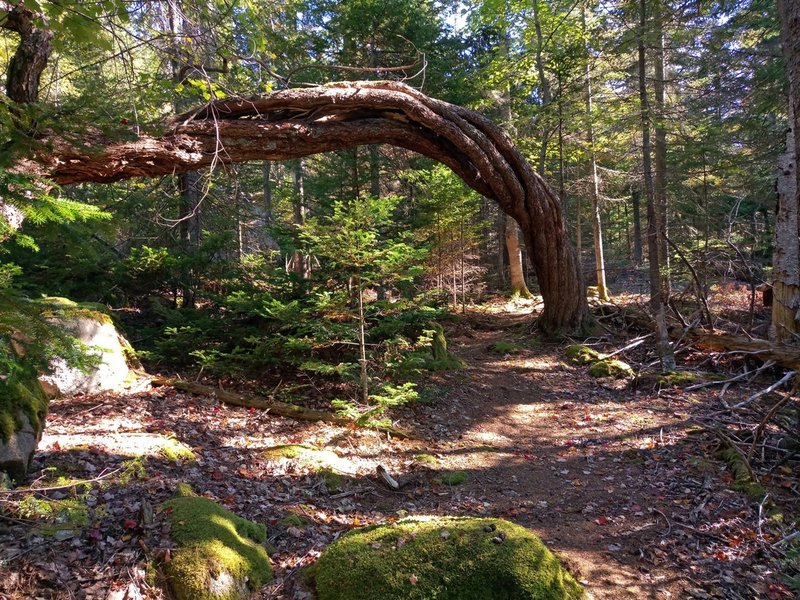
(638, 341)
(738, 377)
(29, 490)
(764, 392)
(669, 524)
(760, 429)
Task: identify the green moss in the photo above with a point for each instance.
(582, 355)
(66, 308)
(610, 367)
(676, 378)
(21, 394)
(293, 520)
(334, 482)
(426, 459)
(743, 480)
(218, 553)
(443, 559)
(453, 477)
(176, 451)
(288, 451)
(505, 348)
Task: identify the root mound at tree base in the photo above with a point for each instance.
(447, 558)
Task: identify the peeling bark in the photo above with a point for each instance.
(299, 122)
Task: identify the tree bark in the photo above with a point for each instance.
(299, 122)
(637, 226)
(30, 59)
(656, 300)
(516, 274)
(786, 259)
(660, 147)
(594, 190)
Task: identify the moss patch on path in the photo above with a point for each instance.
(445, 558)
(220, 555)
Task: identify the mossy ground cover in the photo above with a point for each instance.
(442, 558)
(220, 555)
(582, 355)
(610, 367)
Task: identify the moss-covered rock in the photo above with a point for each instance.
(582, 355)
(443, 558)
(220, 556)
(23, 408)
(610, 367)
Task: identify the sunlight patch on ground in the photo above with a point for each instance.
(124, 444)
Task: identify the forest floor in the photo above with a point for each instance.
(614, 479)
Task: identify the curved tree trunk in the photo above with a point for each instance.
(299, 122)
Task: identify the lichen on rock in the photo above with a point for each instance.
(446, 558)
(220, 555)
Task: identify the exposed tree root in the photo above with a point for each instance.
(276, 407)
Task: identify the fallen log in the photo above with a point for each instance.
(782, 354)
(276, 407)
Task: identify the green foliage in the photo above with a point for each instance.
(453, 477)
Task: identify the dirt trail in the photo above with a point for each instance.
(548, 446)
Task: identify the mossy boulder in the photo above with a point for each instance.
(115, 364)
(610, 367)
(23, 408)
(582, 355)
(220, 555)
(445, 558)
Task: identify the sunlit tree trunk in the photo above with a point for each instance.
(663, 344)
(786, 260)
(594, 184)
(514, 253)
(517, 276)
(300, 262)
(660, 147)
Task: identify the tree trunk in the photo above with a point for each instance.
(518, 285)
(299, 122)
(299, 260)
(786, 262)
(660, 147)
(30, 59)
(656, 300)
(637, 226)
(594, 186)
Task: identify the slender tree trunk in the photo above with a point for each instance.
(544, 86)
(660, 147)
(516, 272)
(656, 300)
(637, 226)
(374, 171)
(786, 260)
(594, 186)
(518, 286)
(299, 260)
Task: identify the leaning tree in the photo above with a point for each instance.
(294, 123)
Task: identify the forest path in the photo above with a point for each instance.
(579, 461)
(606, 475)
